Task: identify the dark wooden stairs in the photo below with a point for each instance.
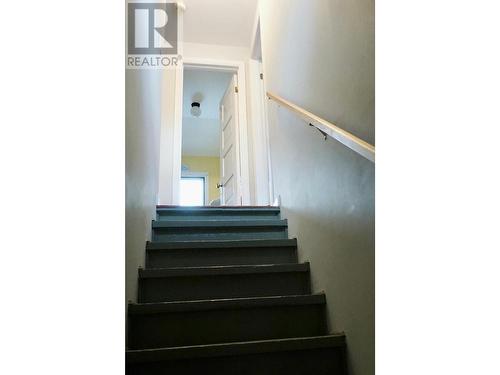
(222, 292)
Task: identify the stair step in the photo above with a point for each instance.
(180, 230)
(319, 355)
(216, 213)
(211, 253)
(169, 324)
(201, 283)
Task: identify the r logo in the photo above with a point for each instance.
(152, 29)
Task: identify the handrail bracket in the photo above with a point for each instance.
(321, 131)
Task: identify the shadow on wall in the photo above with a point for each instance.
(327, 193)
(142, 134)
(342, 265)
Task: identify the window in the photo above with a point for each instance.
(192, 191)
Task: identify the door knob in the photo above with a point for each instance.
(219, 186)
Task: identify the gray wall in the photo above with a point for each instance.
(320, 55)
(142, 133)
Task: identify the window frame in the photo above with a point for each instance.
(204, 176)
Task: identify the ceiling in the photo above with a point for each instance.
(225, 22)
(200, 135)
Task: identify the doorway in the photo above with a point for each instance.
(201, 141)
(214, 134)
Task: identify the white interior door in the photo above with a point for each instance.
(229, 149)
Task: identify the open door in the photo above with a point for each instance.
(229, 150)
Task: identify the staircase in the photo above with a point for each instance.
(223, 293)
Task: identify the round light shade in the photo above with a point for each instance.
(195, 109)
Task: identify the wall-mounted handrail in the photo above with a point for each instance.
(327, 128)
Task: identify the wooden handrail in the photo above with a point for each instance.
(354, 143)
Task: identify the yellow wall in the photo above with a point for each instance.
(206, 164)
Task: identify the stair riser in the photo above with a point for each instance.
(221, 257)
(328, 361)
(214, 326)
(223, 286)
(164, 216)
(219, 233)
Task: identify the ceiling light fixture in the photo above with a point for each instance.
(195, 109)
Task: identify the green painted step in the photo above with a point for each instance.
(160, 325)
(217, 213)
(216, 282)
(219, 230)
(225, 252)
(318, 355)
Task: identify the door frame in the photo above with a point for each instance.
(237, 67)
(263, 171)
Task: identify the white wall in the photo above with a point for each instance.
(215, 51)
(257, 137)
(168, 136)
(320, 55)
(142, 141)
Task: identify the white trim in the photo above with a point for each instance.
(170, 135)
(259, 134)
(177, 140)
(181, 5)
(213, 64)
(266, 140)
(264, 191)
(277, 201)
(205, 177)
